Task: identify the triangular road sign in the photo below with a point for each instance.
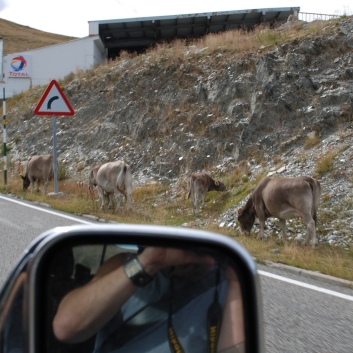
(53, 102)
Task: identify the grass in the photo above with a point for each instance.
(325, 163)
(154, 204)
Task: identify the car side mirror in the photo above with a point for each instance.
(137, 288)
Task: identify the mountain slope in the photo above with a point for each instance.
(17, 38)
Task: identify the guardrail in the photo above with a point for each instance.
(309, 17)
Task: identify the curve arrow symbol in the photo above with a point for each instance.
(50, 101)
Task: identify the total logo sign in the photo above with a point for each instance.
(19, 66)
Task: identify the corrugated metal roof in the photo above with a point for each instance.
(140, 33)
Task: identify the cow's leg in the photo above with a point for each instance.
(119, 196)
(203, 198)
(261, 215)
(31, 182)
(262, 229)
(193, 202)
(101, 195)
(282, 223)
(128, 196)
(46, 183)
(196, 203)
(38, 183)
(106, 198)
(111, 197)
(311, 233)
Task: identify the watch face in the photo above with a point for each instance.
(133, 267)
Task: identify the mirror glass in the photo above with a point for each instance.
(139, 298)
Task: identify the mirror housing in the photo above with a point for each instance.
(23, 296)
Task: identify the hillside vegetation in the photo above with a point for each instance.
(237, 105)
(17, 38)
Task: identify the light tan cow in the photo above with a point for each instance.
(283, 198)
(39, 167)
(198, 186)
(115, 178)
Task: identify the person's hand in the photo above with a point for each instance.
(154, 259)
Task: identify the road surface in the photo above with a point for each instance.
(302, 314)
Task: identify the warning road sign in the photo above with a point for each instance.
(53, 102)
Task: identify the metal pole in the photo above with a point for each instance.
(55, 157)
(4, 120)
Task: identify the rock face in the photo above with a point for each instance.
(171, 115)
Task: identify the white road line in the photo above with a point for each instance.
(305, 285)
(44, 210)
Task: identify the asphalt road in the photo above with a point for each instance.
(302, 313)
(20, 223)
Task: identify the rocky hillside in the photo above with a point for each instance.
(278, 109)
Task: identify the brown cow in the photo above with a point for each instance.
(114, 178)
(283, 198)
(38, 168)
(198, 186)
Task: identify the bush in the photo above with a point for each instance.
(325, 163)
(62, 172)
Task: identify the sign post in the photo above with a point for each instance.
(54, 102)
(4, 131)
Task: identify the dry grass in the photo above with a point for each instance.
(325, 163)
(235, 42)
(18, 38)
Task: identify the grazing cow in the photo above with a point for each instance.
(38, 168)
(283, 198)
(198, 186)
(114, 178)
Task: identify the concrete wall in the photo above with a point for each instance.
(53, 62)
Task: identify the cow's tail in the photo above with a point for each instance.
(121, 181)
(190, 186)
(316, 190)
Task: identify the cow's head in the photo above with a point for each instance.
(26, 181)
(246, 216)
(219, 186)
(246, 219)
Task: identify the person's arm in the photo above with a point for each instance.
(232, 329)
(87, 309)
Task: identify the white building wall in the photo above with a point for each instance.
(54, 62)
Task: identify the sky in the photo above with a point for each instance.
(70, 17)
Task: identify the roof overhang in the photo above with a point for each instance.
(134, 33)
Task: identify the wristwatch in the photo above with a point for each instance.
(135, 272)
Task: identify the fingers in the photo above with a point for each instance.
(165, 257)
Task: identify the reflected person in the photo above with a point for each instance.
(160, 300)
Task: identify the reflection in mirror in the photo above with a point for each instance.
(129, 298)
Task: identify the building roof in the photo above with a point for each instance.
(141, 33)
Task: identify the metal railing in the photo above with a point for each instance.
(309, 17)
